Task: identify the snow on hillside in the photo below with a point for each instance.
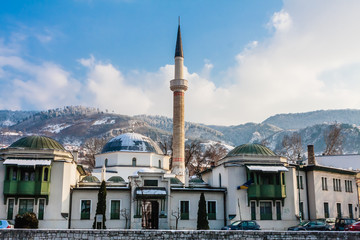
(104, 121)
(56, 128)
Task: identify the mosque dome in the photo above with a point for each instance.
(131, 142)
(116, 179)
(251, 149)
(90, 179)
(37, 142)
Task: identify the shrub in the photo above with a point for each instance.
(27, 220)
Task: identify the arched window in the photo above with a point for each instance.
(106, 162)
(219, 179)
(159, 163)
(134, 162)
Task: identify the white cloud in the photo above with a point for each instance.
(310, 62)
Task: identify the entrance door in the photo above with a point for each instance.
(150, 218)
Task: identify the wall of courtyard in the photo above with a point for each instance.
(35, 234)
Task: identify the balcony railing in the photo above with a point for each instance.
(26, 187)
(267, 191)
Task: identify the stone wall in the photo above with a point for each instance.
(11, 234)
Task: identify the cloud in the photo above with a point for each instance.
(309, 62)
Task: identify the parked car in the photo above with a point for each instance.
(353, 227)
(242, 225)
(342, 223)
(330, 221)
(311, 226)
(5, 224)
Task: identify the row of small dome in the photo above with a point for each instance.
(118, 179)
(133, 142)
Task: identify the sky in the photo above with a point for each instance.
(245, 60)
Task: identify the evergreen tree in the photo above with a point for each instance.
(202, 221)
(101, 205)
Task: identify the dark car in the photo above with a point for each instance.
(242, 225)
(342, 223)
(311, 226)
(353, 227)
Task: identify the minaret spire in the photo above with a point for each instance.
(179, 85)
(179, 48)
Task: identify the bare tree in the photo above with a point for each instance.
(166, 146)
(292, 146)
(125, 213)
(176, 214)
(198, 159)
(93, 146)
(333, 140)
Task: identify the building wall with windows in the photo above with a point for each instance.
(184, 203)
(332, 192)
(118, 206)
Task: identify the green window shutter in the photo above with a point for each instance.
(41, 209)
(10, 212)
(85, 209)
(115, 209)
(184, 210)
(211, 210)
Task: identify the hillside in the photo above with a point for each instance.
(74, 124)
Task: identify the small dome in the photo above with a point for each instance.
(196, 180)
(175, 181)
(90, 179)
(131, 142)
(251, 149)
(37, 142)
(116, 179)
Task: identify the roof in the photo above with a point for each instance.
(350, 162)
(179, 48)
(116, 179)
(27, 162)
(90, 179)
(251, 149)
(267, 168)
(37, 142)
(131, 142)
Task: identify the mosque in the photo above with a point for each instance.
(251, 183)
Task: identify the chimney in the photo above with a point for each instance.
(311, 155)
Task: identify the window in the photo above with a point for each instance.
(28, 174)
(253, 211)
(278, 211)
(46, 174)
(184, 210)
(300, 182)
(10, 212)
(337, 185)
(159, 163)
(41, 209)
(211, 207)
(26, 205)
(220, 180)
(85, 209)
(301, 210)
(106, 162)
(265, 211)
(348, 186)
(151, 183)
(326, 210)
(324, 183)
(14, 175)
(134, 162)
(115, 209)
(351, 215)
(338, 209)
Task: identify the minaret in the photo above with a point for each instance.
(179, 85)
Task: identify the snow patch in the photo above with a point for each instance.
(8, 123)
(104, 121)
(55, 128)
